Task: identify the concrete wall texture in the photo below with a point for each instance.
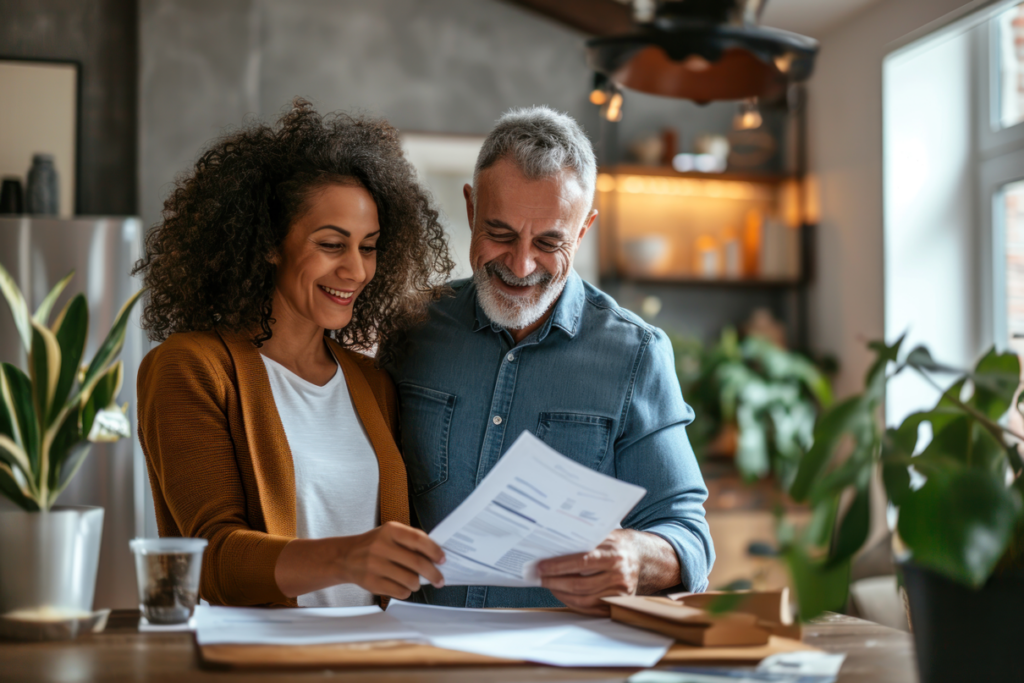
(102, 36)
(449, 66)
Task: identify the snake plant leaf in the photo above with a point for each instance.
(111, 346)
(7, 425)
(820, 587)
(103, 396)
(959, 523)
(10, 488)
(43, 312)
(19, 309)
(67, 436)
(16, 392)
(854, 527)
(837, 421)
(44, 364)
(72, 463)
(71, 329)
(13, 455)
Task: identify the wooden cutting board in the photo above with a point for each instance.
(400, 653)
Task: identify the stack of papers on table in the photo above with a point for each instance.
(555, 638)
(298, 626)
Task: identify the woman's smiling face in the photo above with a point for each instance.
(327, 258)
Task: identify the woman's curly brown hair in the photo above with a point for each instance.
(207, 264)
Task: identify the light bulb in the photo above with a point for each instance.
(613, 109)
(749, 116)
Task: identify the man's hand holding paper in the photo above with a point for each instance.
(534, 505)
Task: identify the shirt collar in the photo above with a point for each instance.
(566, 315)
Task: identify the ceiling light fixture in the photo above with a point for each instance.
(704, 50)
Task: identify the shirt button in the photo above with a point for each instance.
(497, 419)
(510, 357)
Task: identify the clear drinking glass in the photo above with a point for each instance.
(168, 577)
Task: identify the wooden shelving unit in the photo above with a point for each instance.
(735, 230)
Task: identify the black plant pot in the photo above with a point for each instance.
(963, 634)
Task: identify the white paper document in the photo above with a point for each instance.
(535, 504)
(555, 638)
(299, 626)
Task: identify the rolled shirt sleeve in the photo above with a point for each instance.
(653, 451)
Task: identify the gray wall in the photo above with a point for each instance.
(447, 66)
(103, 36)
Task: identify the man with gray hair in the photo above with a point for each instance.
(527, 345)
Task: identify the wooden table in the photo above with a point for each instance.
(875, 654)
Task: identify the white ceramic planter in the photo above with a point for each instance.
(49, 559)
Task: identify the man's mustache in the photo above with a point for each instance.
(537, 277)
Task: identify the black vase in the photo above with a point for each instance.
(11, 198)
(966, 635)
(43, 197)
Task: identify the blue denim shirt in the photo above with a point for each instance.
(594, 382)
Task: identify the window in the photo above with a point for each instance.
(1009, 211)
(1009, 29)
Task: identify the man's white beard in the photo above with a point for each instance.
(510, 311)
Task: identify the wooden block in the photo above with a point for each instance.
(703, 635)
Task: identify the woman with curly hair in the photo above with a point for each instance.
(282, 255)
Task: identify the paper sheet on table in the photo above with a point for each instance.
(555, 638)
(785, 667)
(534, 504)
(299, 626)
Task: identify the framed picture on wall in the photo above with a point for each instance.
(40, 102)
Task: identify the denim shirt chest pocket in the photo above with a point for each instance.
(426, 426)
(583, 438)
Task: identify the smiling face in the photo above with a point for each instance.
(525, 235)
(326, 260)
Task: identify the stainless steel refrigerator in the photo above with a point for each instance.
(38, 252)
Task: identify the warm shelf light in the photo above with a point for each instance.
(683, 187)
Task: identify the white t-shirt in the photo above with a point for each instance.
(336, 474)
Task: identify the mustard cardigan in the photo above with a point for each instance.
(219, 463)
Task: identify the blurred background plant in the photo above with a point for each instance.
(755, 401)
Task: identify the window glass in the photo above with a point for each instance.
(1011, 201)
(1010, 62)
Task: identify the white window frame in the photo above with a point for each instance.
(999, 161)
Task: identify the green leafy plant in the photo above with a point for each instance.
(768, 395)
(50, 415)
(962, 522)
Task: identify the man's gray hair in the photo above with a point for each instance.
(540, 142)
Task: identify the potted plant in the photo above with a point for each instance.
(50, 413)
(960, 524)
